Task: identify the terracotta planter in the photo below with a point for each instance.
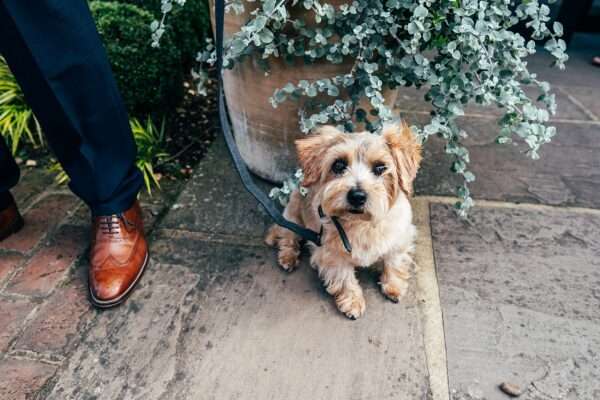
(265, 135)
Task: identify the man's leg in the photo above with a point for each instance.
(55, 52)
(9, 174)
(10, 218)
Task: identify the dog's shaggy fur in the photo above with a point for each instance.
(381, 168)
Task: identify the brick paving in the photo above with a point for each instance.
(42, 218)
(53, 327)
(47, 267)
(13, 313)
(22, 378)
(9, 264)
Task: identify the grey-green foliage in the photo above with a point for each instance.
(459, 51)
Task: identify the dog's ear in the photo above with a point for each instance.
(311, 150)
(406, 151)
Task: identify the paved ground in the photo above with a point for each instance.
(43, 304)
(512, 295)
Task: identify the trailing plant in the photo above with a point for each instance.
(17, 121)
(459, 52)
(150, 142)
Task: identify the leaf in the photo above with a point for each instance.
(557, 27)
(420, 11)
(259, 22)
(266, 36)
(268, 6)
(237, 45)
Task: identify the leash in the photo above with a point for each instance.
(240, 165)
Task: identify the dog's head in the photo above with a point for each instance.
(359, 175)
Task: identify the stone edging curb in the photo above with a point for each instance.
(428, 297)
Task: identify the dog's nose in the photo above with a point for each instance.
(357, 197)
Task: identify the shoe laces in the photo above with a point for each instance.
(110, 224)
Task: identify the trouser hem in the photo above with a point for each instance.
(5, 200)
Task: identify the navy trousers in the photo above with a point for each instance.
(56, 55)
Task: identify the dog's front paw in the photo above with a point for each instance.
(394, 289)
(288, 258)
(351, 303)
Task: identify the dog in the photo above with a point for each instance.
(364, 181)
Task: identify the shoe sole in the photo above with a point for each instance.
(17, 226)
(104, 304)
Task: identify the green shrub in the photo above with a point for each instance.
(191, 27)
(150, 79)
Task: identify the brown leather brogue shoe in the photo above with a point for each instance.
(118, 256)
(11, 220)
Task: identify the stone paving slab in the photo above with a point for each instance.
(520, 298)
(587, 97)
(579, 71)
(216, 321)
(411, 100)
(567, 174)
(215, 200)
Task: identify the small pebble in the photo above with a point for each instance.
(510, 389)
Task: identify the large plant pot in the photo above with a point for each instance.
(265, 135)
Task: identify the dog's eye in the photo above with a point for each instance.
(379, 169)
(339, 166)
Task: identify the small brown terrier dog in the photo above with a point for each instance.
(365, 181)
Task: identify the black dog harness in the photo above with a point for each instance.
(240, 165)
